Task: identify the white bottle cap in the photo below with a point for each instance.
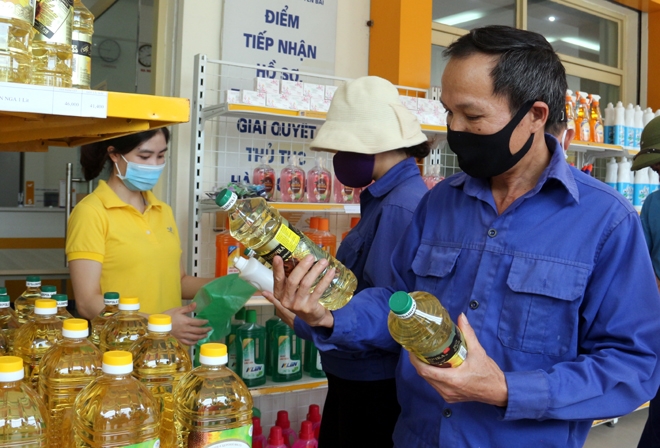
(75, 328)
(160, 323)
(117, 362)
(11, 369)
(129, 304)
(213, 354)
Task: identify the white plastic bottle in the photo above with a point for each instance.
(623, 178)
(648, 116)
(619, 124)
(609, 123)
(255, 273)
(639, 125)
(641, 188)
(611, 173)
(654, 181)
(630, 126)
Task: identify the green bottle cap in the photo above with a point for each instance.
(111, 295)
(48, 288)
(3, 290)
(251, 317)
(60, 297)
(33, 278)
(401, 302)
(256, 412)
(3, 295)
(240, 315)
(225, 199)
(248, 253)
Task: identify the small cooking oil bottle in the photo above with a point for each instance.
(24, 304)
(125, 327)
(111, 302)
(8, 321)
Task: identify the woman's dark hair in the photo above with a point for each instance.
(94, 156)
(418, 151)
(527, 68)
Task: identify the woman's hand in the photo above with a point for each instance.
(188, 330)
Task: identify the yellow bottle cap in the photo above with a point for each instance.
(117, 358)
(10, 364)
(74, 324)
(213, 350)
(45, 303)
(160, 319)
(129, 300)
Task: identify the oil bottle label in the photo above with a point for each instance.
(53, 21)
(285, 364)
(283, 244)
(229, 438)
(81, 45)
(47, 294)
(250, 369)
(33, 284)
(17, 9)
(451, 354)
(148, 444)
(110, 302)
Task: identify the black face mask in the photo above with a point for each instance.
(486, 156)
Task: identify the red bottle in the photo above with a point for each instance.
(289, 434)
(275, 439)
(306, 439)
(314, 416)
(257, 433)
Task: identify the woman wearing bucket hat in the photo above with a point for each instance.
(375, 138)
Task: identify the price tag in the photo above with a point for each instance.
(352, 209)
(94, 103)
(26, 98)
(67, 102)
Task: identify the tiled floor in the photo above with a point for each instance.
(625, 434)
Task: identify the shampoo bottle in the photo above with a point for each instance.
(319, 183)
(611, 173)
(292, 182)
(265, 175)
(641, 188)
(619, 124)
(609, 123)
(630, 126)
(639, 125)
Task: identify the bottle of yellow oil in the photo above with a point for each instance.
(258, 226)
(8, 321)
(125, 327)
(111, 302)
(36, 337)
(81, 46)
(422, 326)
(69, 366)
(212, 403)
(24, 304)
(62, 302)
(51, 46)
(115, 409)
(159, 362)
(16, 34)
(24, 419)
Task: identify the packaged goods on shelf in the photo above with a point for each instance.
(267, 85)
(293, 88)
(330, 92)
(231, 96)
(297, 102)
(278, 101)
(409, 101)
(313, 90)
(253, 98)
(430, 106)
(319, 104)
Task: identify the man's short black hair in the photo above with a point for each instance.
(527, 68)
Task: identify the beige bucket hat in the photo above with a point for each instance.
(366, 117)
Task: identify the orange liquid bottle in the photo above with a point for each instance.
(313, 231)
(328, 240)
(583, 129)
(596, 121)
(354, 221)
(226, 249)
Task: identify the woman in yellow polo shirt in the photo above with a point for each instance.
(121, 238)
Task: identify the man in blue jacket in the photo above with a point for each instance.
(544, 269)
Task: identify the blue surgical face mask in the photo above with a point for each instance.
(140, 177)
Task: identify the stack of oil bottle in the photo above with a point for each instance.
(47, 42)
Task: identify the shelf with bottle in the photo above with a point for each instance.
(272, 388)
(209, 206)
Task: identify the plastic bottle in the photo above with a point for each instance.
(630, 126)
(639, 126)
(354, 222)
(16, 34)
(255, 273)
(271, 348)
(227, 248)
(292, 182)
(315, 365)
(8, 321)
(654, 181)
(287, 350)
(257, 433)
(344, 194)
(251, 351)
(264, 175)
(583, 129)
(212, 404)
(319, 183)
(609, 123)
(70, 365)
(623, 178)
(249, 253)
(115, 409)
(24, 421)
(596, 121)
(125, 327)
(24, 304)
(306, 437)
(81, 41)
(648, 116)
(641, 188)
(569, 110)
(422, 326)
(111, 302)
(261, 228)
(52, 54)
(313, 232)
(37, 336)
(307, 353)
(611, 173)
(314, 415)
(288, 434)
(328, 240)
(236, 323)
(275, 439)
(159, 362)
(619, 124)
(62, 302)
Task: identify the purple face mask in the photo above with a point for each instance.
(354, 169)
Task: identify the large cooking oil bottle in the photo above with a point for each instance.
(69, 366)
(159, 362)
(24, 304)
(125, 327)
(37, 336)
(8, 321)
(422, 326)
(24, 417)
(62, 302)
(81, 45)
(111, 302)
(258, 226)
(51, 46)
(16, 18)
(212, 403)
(115, 409)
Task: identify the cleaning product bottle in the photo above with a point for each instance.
(306, 439)
(251, 351)
(313, 232)
(307, 353)
(52, 54)
(654, 181)
(611, 173)
(648, 116)
(583, 127)
(619, 124)
(261, 228)
(288, 434)
(623, 178)
(81, 40)
(288, 362)
(37, 336)
(8, 321)
(630, 192)
(319, 183)
(271, 347)
(596, 121)
(422, 326)
(630, 126)
(343, 194)
(275, 439)
(227, 248)
(257, 432)
(115, 409)
(641, 188)
(255, 273)
(24, 421)
(639, 126)
(354, 222)
(125, 327)
(236, 323)
(16, 34)
(314, 415)
(569, 110)
(609, 123)
(62, 302)
(111, 302)
(70, 365)
(265, 175)
(212, 404)
(159, 362)
(328, 240)
(24, 304)
(292, 182)
(315, 365)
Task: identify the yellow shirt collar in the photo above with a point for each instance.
(110, 199)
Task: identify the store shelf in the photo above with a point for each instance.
(601, 150)
(613, 421)
(27, 121)
(209, 206)
(272, 388)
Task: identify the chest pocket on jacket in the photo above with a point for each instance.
(540, 309)
(431, 265)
